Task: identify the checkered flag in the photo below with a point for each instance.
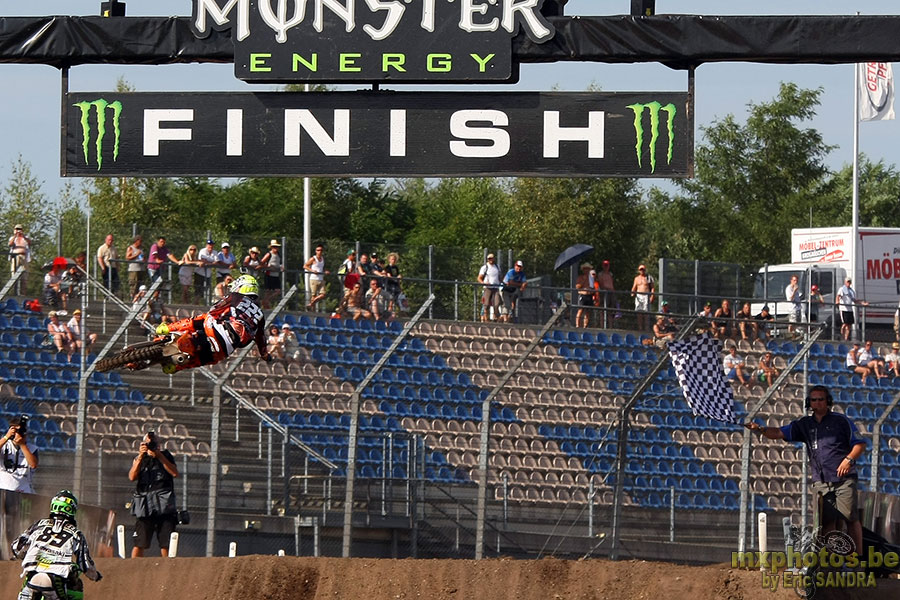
(698, 367)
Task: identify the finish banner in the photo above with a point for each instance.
(377, 134)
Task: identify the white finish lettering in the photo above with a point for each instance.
(277, 19)
(467, 9)
(220, 15)
(395, 10)
(499, 138)
(593, 134)
(428, 15)
(335, 145)
(153, 134)
(398, 133)
(346, 12)
(234, 132)
(527, 8)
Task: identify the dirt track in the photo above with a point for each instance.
(290, 578)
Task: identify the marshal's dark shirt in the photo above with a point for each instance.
(829, 441)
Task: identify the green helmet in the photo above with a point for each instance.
(64, 503)
(246, 285)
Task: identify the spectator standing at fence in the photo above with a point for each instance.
(315, 268)
(816, 301)
(642, 289)
(188, 276)
(853, 365)
(58, 331)
(722, 323)
(793, 295)
(106, 262)
(53, 293)
(227, 262)
(514, 283)
(868, 357)
(252, 263)
(20, 255)
(392, 279)
(209, 261)
(159, 256)
(606, 297)
(364, 268)
(733, 364)
(746, 323)
(585, 289)
(489, 276)
(134, 254)
(766, 372)
(834, 446)
(80, 332)
(153, 505)
(273, 266)
(846, 299)
(20, 458)
(892, 359)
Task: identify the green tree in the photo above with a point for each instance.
(23, 202)
(879, 195)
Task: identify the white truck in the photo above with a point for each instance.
(826, 255)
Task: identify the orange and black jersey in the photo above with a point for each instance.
(246, 318)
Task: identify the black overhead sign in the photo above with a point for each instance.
(415, 134)
(441, 41)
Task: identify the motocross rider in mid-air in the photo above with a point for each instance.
(233, 322)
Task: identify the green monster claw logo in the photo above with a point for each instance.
(101, 106)
(654, 109)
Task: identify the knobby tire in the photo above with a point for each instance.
(137, 355)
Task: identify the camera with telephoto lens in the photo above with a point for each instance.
(151, 441)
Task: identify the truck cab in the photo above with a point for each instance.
(772, 280)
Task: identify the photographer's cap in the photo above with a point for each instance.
(18, 227)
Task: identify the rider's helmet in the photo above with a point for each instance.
(64, 504)
(246, 285)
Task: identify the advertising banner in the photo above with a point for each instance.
(378, 134)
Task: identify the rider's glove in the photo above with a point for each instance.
(162, 329)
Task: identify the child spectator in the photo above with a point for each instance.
(766, 372)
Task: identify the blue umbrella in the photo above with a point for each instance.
(572, 255)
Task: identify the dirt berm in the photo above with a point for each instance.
(291, 578)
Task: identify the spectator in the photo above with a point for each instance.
(377, 269)
(376, 301)
(189, 262)
(734, 366)
(816, 301)
(722, 324)
(766, 372)
(897, 323)
(642, 290)
(584, 285)
(159, 255)
(134, 254)
(514, 284)
(55, 553)
(209, 261)
(20, 255)
(20, 458)
(315, 268)
(707, 312)
(662, 332)
(606, 298)
(57, 330)
(153, 505)
(273, 342)
(53, 293)
(273, 265)
(156, 310)
(747, 323)
(80, 332)
(106, 261)
(354, 303)
(763, 322)
(892, 359)
(223, 287)
(289, 343)
(489, 277)
(868, 357)
(833, 446)
(392, 279)
(793, 295)
(364, 268)
(846, 298)
(226, 261)
(73, 279)
(348, 269)
(853, 365)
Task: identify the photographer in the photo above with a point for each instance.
(20, 458)
(153, 505)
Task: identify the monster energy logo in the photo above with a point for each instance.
(100, 105)
(654, 108)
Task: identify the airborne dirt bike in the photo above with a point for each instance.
(173, 349)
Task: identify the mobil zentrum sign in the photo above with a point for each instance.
(383, 134)
(441, 41)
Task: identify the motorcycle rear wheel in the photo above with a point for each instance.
(145, 353)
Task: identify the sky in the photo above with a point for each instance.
(29, 93)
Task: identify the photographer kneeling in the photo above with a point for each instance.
(20, 458)
(153, 505)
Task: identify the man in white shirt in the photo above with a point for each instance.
(489, 275)
(734, 366)
(846, 298)
(792, 295)
(19, 458)
(210, 259)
